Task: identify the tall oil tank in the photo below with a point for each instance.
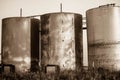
(20, 43)
(103, 24)
(61, 40)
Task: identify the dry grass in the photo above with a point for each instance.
(93, 74)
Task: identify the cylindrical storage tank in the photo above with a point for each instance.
(103, 24)
(20, 43)
(61, 40)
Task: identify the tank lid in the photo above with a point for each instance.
(17, 18)
(108, 5)
(62, 13)
(113, 5)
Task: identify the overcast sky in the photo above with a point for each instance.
(11, 8)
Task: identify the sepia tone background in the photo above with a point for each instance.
(11, 8)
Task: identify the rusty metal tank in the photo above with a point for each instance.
(103, 24)
(61, 40)
(20, 43)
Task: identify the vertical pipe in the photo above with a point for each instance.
(60, 7)
(20, 12)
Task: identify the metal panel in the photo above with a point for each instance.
(61, 40)
(104, 37)
(19, 36)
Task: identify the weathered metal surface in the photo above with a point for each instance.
(61, 40)
(20, 42)
(103, 26)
